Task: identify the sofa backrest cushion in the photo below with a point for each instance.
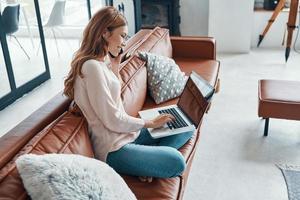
(67, 134)
(133, 71)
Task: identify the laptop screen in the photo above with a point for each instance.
(195, 98)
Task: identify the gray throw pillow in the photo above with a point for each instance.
(69, 177)
(165, 80)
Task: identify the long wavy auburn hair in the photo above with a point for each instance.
(93, 45)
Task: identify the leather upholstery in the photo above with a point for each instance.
(52, 129)
(209, 70)
(67, 134)
(15, 139)
(194, 47)
(133, 70)
(134, 76)
(279, 99)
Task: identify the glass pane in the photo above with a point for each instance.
(22, 35)
(4, 86)
(76, 13)
(63, 24)
(96, 5)
(127, 9)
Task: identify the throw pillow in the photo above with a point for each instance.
(69, 176)
(165, 80)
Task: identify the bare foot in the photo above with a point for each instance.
(146, 179)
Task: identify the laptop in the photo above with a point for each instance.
(189, 110)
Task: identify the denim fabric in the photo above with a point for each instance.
(151, 157)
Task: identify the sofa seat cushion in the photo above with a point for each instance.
(208, 69)
(158, 189)
(150, 103)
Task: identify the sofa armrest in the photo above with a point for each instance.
(14, 140)
(194, 47)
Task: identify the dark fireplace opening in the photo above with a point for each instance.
(152, 13)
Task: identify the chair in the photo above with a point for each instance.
(10, 21)
(56, 18)
(278, 99)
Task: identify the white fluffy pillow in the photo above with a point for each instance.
(70, 177)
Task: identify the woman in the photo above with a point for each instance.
(94, 83)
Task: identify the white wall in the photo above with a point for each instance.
(194, 17)
(274, 36)
(129, 14)
(231, 24)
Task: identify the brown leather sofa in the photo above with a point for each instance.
(58, 128)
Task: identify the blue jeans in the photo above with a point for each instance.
(151, 157)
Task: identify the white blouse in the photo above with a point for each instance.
(98, 95)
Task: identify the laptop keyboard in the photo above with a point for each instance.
(179, 121)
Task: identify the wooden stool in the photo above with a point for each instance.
(278, 99)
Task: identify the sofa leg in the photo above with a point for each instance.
(218, 86)
(208, 107)
(266, 127)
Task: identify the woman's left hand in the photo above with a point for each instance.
(115, 65)
(115, 62)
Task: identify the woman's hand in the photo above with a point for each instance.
(159, 121)
(115, 63)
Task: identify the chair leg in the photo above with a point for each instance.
(21, 46)
(55, 41)
(266, 127)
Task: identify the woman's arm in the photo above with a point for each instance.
(103, 104)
